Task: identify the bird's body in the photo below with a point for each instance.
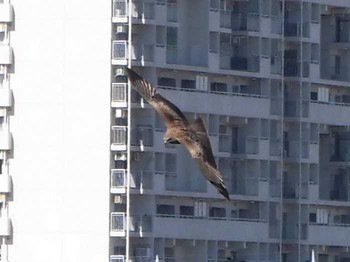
(179, 131)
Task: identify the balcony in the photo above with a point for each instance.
(119, 52)
(143, 53)
(329, 113)
(171, 12)
(6, 54)
(5, 226)
(118, 181)
(214, 229)
(117, 258)
(120, 11)
(330, 235)
(140, 225)
(6, 13)
(119, 95)
(245, 22)
(225, 19)
(241, 63)
(119, 138)
(292, 108)
(118, 224)
(5, 184)
(141, 180)
(143, 10)
(122, 258)
(294, 68)
(142, 136)
(5, 97)
(5, 140)
(296, 29)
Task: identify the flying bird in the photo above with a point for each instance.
(179, 131)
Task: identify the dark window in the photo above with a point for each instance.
(186, 210)
(312, 217)
(313, 96)
(217, 212)
(188, 84)
(165, 81)
(218, 87)
(165, 209)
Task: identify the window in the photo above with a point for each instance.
(217, 212)
(313, 96)
(187, 211)
(168, 210)
(160, 35)
(312, 217)
(188, 84)
(218, 87)
(171, 36)
(165, 81)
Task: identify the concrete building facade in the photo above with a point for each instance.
(84, 173)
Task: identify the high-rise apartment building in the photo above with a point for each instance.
(84, 173)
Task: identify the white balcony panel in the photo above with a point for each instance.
(6, 55)
(329, 114)
(169, 227)
(6, 13)
(219, 104)
(5, 97)
(329, 235)
(5, 140)
(5, 183)
(5, 226)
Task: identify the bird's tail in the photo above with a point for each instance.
(222, 190)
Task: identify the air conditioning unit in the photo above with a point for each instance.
(119, 199)
(119, 72)
(121, 28)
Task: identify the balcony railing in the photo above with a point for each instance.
(119, 135)
(292, 108)
(120, 8)
(119, 92)
(143, 10)
(140, 223)
(117, 258)
(142, 136)
(242, 63)
(119, 50)
(143, 179)
(118, 178)
(225, 19)
(245, 22)
(117, 222)
(292, 68)
(143, 53)
(171, 12)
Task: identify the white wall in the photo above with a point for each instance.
(60, 169)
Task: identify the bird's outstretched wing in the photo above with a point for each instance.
(167, 110)
(200, 149)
